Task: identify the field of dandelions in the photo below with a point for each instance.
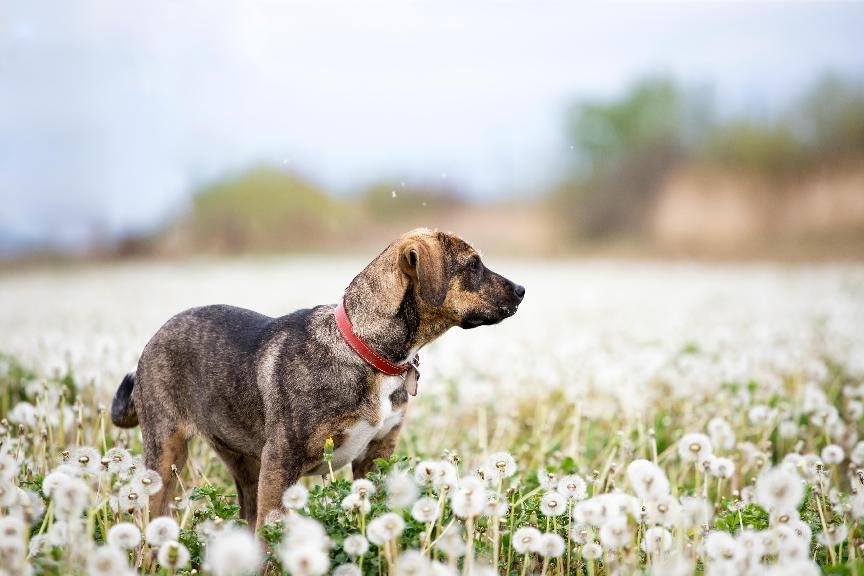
(632, 418)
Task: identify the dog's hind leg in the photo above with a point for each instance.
(245, 470)
(164, 447)
(279, 470)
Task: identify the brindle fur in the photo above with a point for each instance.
(266, 392)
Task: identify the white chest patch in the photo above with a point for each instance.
(358, 436)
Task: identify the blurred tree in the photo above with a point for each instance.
(386, 201)
(830, 119)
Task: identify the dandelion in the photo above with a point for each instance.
(70, 497)
(777, 489)
(615, 533)
(665, 511)
(500, 465)
(547, 479)
(721, 433)
(647, 479)
(722, 468)
(588, 512)
(425, 472)
(470, 499)
(303, 531)
(573, 487)
(124, 536)
(107, 561)
(385, 528)
(355, 545)
(401, 490)
(306, 560)
(161, 530)
(721, 547)
(693, 447)
(347, 570)
(656, 540)
(363, 488)
(8, 468)
(526, 539)
(592, 551)
(412, 562)
(553, 504)
(129, 499)
(582, 533)
(788, 429)
(834, 535)
(295, 497)
(119, 460)
(58, 533)
(452, 544)
(355, 503)
(857, 454)
(173, 555)
(551, 545)
(496, 506)
(832, 454)
(146, 482)
(234, 552)
(87, 460)
(445, 476)
(425, 510)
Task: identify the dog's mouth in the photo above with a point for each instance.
(475, 319)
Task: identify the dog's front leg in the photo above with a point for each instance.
(279, 470)
(381, 447)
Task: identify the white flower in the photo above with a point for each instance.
(147, 482)
(722, 467)
(58, 533)
(363, 488)
(553, 504)
(665, 510)
(305, 560)
(295, 497)
(470, 499)
(857, 454)
(832, 454)
(355, 502)
(656, 540)
(551, 545)
(411, 562)
(588, 512)
(23, 413)
(86, 459)
(355, 545)
(129, 499)
(835, 534)
(496, 505)
(304, 531)
(721, 433)
(107, 561)
(119, 460)
(234, 552)
(647, 479)
(451, 543)
(425, 510)
(500, 465)
(71, 496)
(788, 429)
(124, 536)
(401, 490)
(11, 528)
(526, 539)
(573, 487)
(161, 530)
(347, 570)
(445, 476)
(694, 447)
(173, 555)
(721, 547)
(53, 480)
(592, 551)
(425, 472)
(582, 533)
(8, 468)
(615, 533)
(385, 528)
(547, 479)
(779, 490)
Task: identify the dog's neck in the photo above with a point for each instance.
(383, 308)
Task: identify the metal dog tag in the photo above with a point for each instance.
(410, 379)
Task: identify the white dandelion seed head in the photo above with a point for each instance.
(119, 460)
(385, 528)
(722, 468)
(445, 476)
(856, 455)
(721, 547)
(71, 498)
(548, 480)
(779, 490)
(694, 447)
(665, 511)
(425, 472)
(363, 488)
(147, 482)
(592, 551)
(347, 570)
(783, 517)
(401, 490)
(304, 560)
(582, 533)
(161, 530)
(573, 487)
(526, 539)
(551, 545)
(615, 533)
(356, 503)
(9, 468)
(721, 433)
(788, 430)
(470, 499)
(834, 535)
(647, 479)
(295, 497)
(173, 554)
(355, 545)
(124, 536)
(451, 543)
(86, 460)
(656, 540)
(425, 510)
(496, 505)
(304, 531)
(107, 561)
(500, 465)
(832, 454)
(411, 563)
(553, 504)
(234, 552)
(752, 544)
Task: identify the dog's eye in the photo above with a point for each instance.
(474, 265)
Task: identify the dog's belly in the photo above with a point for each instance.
(358, 436)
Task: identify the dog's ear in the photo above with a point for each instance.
(422, 259)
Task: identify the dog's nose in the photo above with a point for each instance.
(519, 291)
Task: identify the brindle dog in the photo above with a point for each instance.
(267, 392)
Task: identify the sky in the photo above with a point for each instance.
(112, 113)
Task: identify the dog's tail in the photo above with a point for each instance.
(123, 412)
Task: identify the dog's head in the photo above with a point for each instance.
(451, 283)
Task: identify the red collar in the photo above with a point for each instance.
(365, 351)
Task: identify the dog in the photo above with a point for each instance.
(267, 393)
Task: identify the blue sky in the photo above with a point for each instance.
(112, 112)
